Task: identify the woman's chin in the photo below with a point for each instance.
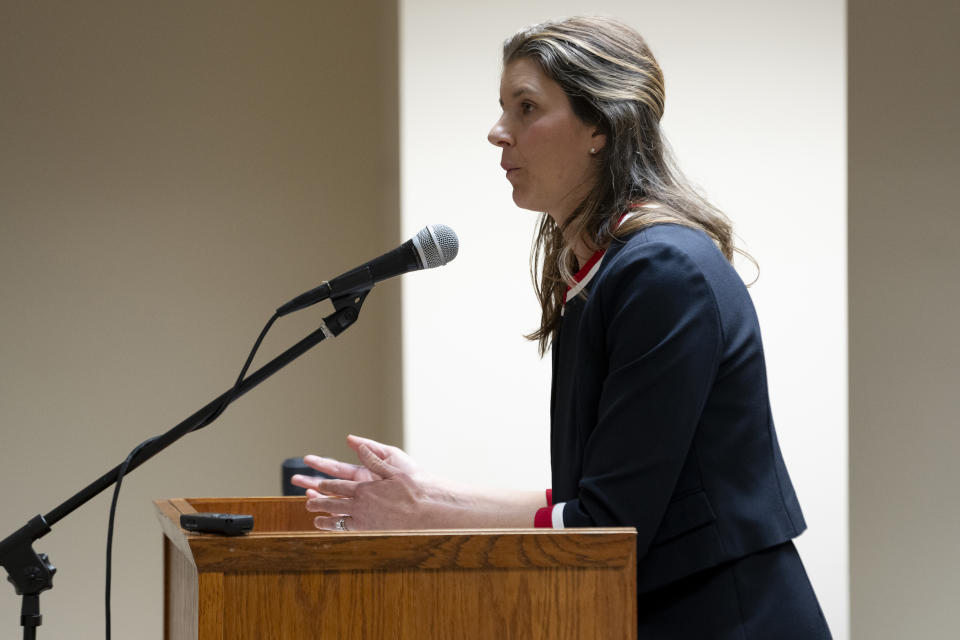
(524, 203)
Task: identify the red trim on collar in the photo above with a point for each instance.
(585, 269)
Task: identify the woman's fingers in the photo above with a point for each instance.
(304, 482)
(326, 504)
(330, 466)
(372, 495)
(325, 486)
(396, 458)
(334, 518)
(336, 488)
(330, 523)
(380, 449)
(333, 467)
(375, 463)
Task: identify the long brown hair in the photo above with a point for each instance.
(613, 82)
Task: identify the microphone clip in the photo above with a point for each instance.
(360, 280)
(347, 311)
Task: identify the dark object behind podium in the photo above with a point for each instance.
(293, 466)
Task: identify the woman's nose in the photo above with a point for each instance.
(498, 136)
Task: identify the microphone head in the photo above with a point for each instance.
(436, 244)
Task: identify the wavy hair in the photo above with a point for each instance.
(614, 83)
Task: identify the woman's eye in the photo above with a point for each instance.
(526, 107)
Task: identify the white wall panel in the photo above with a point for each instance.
(756, 113)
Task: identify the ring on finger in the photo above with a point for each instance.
(341, 524)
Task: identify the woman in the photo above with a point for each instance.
(660, 416)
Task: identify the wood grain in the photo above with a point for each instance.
(543, 603)
(213, 606)
(479, 549)
(169, 517)
(287, 581)
(181, 589)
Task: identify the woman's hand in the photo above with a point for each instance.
(393, 456)
(386, 491)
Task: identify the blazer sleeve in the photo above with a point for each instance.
(662, 339)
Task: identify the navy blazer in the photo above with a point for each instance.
(660, 415)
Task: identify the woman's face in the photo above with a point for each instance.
(546, 147)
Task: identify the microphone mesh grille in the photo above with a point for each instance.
(439, 243)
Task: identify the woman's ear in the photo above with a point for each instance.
(598, 140)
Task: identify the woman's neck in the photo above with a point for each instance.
(583, 251)
(583, 248)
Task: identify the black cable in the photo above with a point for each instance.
(243, 372)
(113, 513)
(126, 463)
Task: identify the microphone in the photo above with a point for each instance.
(434, 246)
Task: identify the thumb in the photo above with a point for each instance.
(380, 449)
(374, 463)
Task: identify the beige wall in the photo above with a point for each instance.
(169, 174)
(904, 100)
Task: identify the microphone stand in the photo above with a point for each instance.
(31, 573)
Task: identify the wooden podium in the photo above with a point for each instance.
(286, 580)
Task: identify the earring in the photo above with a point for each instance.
(593, 151)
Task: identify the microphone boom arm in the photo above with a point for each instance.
(32, 573)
